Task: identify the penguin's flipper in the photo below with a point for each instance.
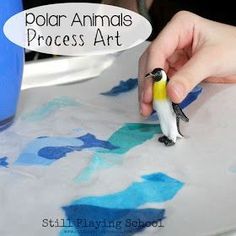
(179, 113)
(177, 123)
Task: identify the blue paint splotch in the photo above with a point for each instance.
(122, 206)
(127, 137)
(49, 108)
(3, 162)
(46, 150)
(123, 87)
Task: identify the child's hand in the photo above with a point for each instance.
(191, 49)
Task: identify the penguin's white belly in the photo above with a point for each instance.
(167, 118)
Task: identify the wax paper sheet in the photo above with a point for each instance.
(76, 162)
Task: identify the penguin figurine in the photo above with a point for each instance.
(169, 113)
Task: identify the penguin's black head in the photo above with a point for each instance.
(156, 74)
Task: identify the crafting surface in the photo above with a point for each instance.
(73, 152)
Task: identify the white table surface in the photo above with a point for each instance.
(204, 160)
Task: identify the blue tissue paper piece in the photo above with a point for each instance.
(127, 137)
(3, 162)
(54, 153)
(156, 187)
(91, 141)
(123, 87)
(45, 150)
(49, 108)
(111, 214)
(191, 97)
(102, 221)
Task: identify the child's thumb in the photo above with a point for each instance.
(187, 77)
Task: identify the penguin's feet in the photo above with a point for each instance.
(168, 142)
(162, 139)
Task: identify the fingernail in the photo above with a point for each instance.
(177, 89)
(142, 97)
(145, 97)
(140, 110)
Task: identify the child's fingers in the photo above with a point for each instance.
(177, 35)
(144, 88)
(222, 80)
(141, 75)
(146, 100)
(147, 91)
(146, 109)
(192, 73)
